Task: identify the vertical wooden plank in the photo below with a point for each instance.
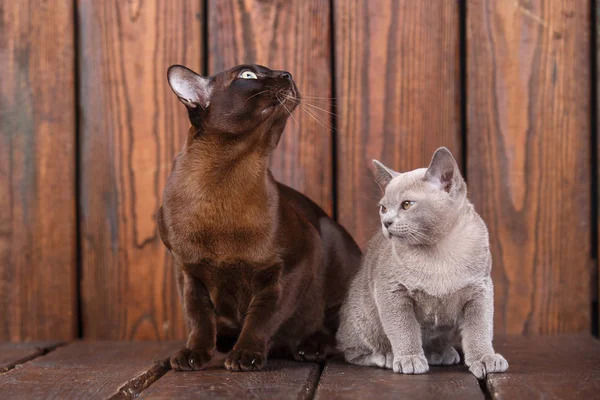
(132, 127)
(529, 157)
(398, 88)
(596, 298)
(37, 171)
(293, 36)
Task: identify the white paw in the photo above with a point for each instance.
(488, 364)
(448, 356)
(378, 360)
(410, 365)
(389, 361)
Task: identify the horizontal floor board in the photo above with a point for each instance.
(344, 381)
(553, 367)
(280, 379)
(12, 354)
(89, 370)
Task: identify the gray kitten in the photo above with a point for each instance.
(424, 283)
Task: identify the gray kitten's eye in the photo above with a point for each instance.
(382, 209)
(407, 204)
(246, 74)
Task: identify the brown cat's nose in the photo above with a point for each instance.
(387, 224)
(286, 75)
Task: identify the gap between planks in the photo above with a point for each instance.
(135, 386)
(38, 352)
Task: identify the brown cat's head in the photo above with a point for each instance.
(236, 101)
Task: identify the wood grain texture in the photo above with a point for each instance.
(596, 293)
(398, 89)
(281, 379)
(345, 381)
(13, 354)
(132, 126)
(529, 157)
(37, 171)
(292, 36)
(548, 367)
(87, 370)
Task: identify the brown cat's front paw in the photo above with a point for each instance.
(315, 348)
(245, 360)
(488, 364)
(190, 360)
(410, 365)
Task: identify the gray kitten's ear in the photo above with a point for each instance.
(443, 171)
(383, 174)
(192, 89)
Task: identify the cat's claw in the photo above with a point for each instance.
(410, 365)
(488, 364)
(446, 356)
(190, 360)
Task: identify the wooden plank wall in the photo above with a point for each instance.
(37, 171)
(92, 77)
(529, 162)
(398, 84)
(131, 129)
(292, 35)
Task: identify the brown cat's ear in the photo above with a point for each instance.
(192, 89)
(443, 171)
(383, 174)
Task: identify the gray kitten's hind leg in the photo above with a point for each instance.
(439, 351)
(367, 359)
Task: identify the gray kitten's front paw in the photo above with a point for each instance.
(410, 365)
(389, 361)
(446, 356)
(488, 364)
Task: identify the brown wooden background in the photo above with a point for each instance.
(89, 127)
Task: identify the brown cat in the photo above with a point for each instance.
(260, 267)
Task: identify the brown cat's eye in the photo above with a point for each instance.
(382, 209)
(407, 204)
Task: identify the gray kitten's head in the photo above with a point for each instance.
(421, 206)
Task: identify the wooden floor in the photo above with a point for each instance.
(562, 367)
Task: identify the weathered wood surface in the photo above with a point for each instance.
(340, 380)
(529, 157)
(561, 367)
(398, 89)
(89, 370)
(548, 367)
(37, 171)
(292, 36)
(132, 126)
(12, 354)
(281, 379)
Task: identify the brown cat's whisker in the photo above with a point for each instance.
(317, 118)
(288, 111)
(254, 95)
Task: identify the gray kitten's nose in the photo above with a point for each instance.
(387, 224)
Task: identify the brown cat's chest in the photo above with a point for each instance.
(229, 286)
